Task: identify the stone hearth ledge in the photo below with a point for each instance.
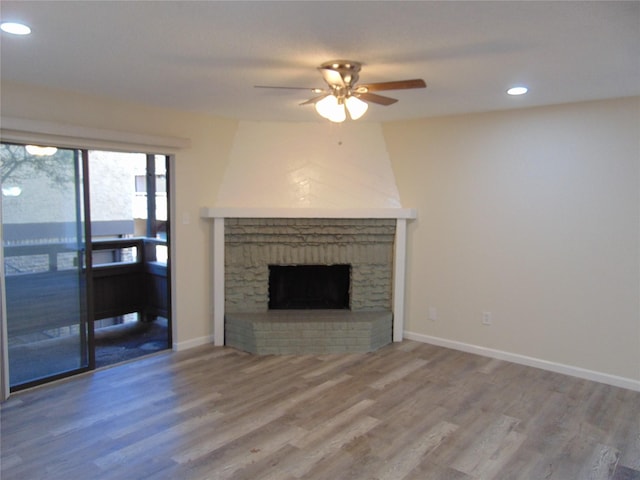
(218, 215)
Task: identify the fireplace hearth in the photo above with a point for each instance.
(296, 332)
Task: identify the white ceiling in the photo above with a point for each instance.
(206, 56)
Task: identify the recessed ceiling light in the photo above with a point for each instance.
(517, 90)
(15, 28)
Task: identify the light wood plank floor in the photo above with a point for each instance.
(408, 411)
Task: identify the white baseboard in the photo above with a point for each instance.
(613, 380)
(195, 342)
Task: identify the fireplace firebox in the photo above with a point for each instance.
(309, 287)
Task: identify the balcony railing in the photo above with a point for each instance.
(43, 277)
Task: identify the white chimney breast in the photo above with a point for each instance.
(309, 165)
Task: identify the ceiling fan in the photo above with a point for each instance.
(345, 95)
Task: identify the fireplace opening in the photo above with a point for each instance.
(309, 287)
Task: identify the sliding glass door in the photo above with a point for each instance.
(45, 263)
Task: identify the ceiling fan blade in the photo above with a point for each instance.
(315, 100)
(379, 99)
(332, 77)
(397, 85)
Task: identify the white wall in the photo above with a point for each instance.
(309, 165)
(534, 216)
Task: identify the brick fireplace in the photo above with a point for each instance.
(253, 244)
(247, 241)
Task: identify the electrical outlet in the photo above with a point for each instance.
(433, 314)
(486, 318)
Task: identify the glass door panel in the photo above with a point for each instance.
(43, 241)
(131, 296)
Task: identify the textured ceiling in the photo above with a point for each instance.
(206, 56)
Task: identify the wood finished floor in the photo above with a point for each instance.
(408, 411)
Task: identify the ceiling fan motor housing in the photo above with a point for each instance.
(348, 70)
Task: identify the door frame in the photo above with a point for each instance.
(5, 388)
(42, 132)
(4, 343)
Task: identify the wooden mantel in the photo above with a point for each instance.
(218, 215)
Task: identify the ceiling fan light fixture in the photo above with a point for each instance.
(331, 109)
(339, 115)
(356, 107)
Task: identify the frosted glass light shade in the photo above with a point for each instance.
(356, 107)
(331, 109)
